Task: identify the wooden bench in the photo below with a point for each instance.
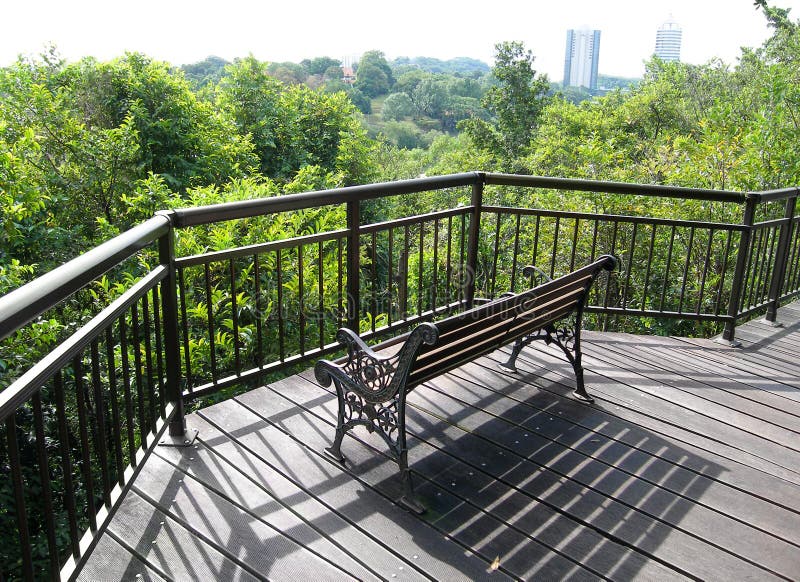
(371, 387)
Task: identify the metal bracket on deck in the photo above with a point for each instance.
(185, 440)
(772, 323)
(730, 343)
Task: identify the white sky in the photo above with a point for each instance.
(181, 31)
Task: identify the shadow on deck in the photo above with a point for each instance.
(687, 465)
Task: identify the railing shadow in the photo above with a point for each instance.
(532, 492)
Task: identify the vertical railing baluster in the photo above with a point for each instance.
(259, 308)
(630, 266)
(126, 385)
(554, 254)
(435, 283)
(353, 265)
(667, 268)
(114, 398)
(19, 498)
(321, 291)
(99, 424)
(462, 262)
(86, 456)
(159, 351)
(449, 268)
(686, 269)
(723, 272)
(420, 268)
(185, 331)
(535, 252)
(574, 245)
(374, 280)
(340, 302)
(515, 257)
(66, 464)
(469, 279)
(781, 259)
(794, 278)
(753, 263)
(492, 287)
(728, 334)
(767, 267)
(301, 292)
(212, 347)
(137, 364)
(793, 269)
(649, 266)
(391, 278)
(705, 271)
(46, 489)
(281, 322)
(403, 274)
(149, 393)
(237, 355)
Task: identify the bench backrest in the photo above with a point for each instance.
(481, 330)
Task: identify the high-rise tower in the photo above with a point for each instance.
(581, 58)
(668, 41)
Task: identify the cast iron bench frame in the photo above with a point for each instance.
(371, 388)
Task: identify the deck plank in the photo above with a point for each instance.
(415, 545)
(686, 466)
(725, 484)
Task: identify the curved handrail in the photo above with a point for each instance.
(22, 305)
(615, 187)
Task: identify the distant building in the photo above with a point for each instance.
(349, 69)
(581, 58)
(668, 41)
(348, 75)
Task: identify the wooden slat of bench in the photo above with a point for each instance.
(532, 299)
(487, 335)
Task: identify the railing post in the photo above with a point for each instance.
(471, 267)
(353, 264)
(781, 257)
(169, 306)
(728, 333)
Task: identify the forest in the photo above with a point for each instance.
(90, 149)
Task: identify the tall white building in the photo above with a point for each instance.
(581, 58)
(668, 41)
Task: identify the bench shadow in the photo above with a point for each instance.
(517, 482)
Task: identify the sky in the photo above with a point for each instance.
(181, 32)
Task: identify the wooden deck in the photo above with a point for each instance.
(687, 466)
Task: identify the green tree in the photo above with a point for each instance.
(320, 65)
(515, 104)
(397, 106)
(373, 74)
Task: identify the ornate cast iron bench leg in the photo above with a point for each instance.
(371, 391)
(562, 337)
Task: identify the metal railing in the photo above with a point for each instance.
(80, 422)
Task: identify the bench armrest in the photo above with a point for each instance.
(373, 376)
